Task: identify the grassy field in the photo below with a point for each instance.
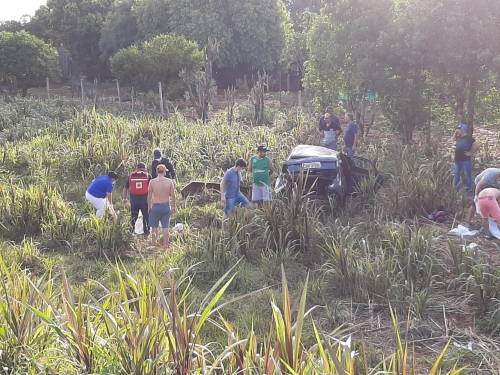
(290, 288)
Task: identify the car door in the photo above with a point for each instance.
(361, 170)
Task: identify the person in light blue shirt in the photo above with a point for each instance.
(231, 195)
(99, 194)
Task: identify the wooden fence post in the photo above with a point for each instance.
(95, 92)
(82, 90)
(118, 92)
(48, 87)
(162, 110)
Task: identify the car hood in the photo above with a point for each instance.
(312, 152)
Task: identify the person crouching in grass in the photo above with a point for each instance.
(162, 204)
(489, 208)
(261, 168)
(100, 194)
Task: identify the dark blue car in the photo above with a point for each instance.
(325, 173)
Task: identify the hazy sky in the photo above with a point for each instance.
(15, 9)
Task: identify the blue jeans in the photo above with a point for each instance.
(238, 200)
(464, 167)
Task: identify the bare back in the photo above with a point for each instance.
(161, 190)
(490, 192)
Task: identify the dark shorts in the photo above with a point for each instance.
(160, 213)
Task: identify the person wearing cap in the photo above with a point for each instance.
(261, 168)
(329, 128)
(136, 187)
(161, 204)
(231, 195)
(465, 148)
(160, 159)
(100, 194)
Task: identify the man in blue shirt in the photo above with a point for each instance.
(350, 135)
(231, 196)
(99, 194)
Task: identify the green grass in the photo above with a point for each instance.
(101, 301)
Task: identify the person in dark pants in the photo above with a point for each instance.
(137, 188)
(160, 159)
(465, 148)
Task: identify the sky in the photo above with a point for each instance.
(15, 9)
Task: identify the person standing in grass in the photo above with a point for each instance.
(231, 195)
(100, 194)
(465, 148)
(160, 159)
(261, 168)
(350, 135)
(329, 127)
(161, 204)
(136, 187)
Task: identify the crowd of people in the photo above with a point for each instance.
(153, 195)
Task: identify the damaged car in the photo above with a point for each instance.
(323, 173)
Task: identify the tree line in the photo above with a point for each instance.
(408, 53)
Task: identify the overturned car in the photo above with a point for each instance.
(327, 174)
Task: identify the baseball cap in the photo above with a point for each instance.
(157, 153)
(463, 127)
(262, 148)
(141, 165)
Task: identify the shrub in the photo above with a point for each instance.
(159, 59)
(25, 209)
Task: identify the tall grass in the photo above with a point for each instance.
(149, 325)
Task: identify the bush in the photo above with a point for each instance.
(25, 210)
(159, 59)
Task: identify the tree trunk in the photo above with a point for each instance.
(471, 103)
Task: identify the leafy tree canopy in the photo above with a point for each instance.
(25, 60)
(159, 59)
(252, 33)
(76, 24)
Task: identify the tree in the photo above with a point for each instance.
(201, 85)
(76, 24)
(119, 29)
(463, 45)
(25, 60)
(342, 42)
(160, 59)
(403, 80)
(251, 32)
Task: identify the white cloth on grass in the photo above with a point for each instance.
(494, 230)
(98, 203)
(462, 231)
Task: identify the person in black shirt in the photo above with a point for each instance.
(465, 148)
(160, 159)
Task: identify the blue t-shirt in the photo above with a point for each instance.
(101, 186)
(231, 183)
(350, 134)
